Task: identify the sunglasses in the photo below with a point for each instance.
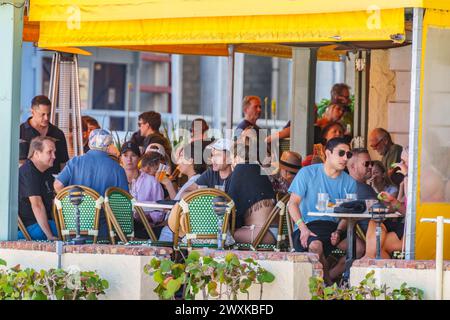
(374, 146)
(342, 153)
(368, 164)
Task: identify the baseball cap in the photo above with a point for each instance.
(100, 139)
(221, 145)
(130, 146)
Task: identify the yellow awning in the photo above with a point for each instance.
(113, 10)
(347, 26)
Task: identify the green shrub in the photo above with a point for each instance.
(53, 284)
(366, 290)
(213, 278)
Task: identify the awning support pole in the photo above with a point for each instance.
(304, 63)
(230, 90)
(414, 134)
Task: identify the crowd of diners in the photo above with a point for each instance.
(151, 169)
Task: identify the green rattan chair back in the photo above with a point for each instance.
(202, 218)
(89, 212)
(122, 209)
(119, 213)
(202, 222)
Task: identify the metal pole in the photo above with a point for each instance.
(230, 90)
(439, 256)
(177, 88)
(378, 236)
(439, 252)
(414, 133)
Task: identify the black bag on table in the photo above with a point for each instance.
(356, 206)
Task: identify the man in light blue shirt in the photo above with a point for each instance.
(96, 170)
(321, 234)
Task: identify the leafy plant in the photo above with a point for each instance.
(117, 141)
(208, 276)
(172, 136)
(53, 284)
(366, 290)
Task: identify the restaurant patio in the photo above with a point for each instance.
(304, 31)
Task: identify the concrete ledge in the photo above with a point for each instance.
(416, 273)
(400, 264)
(292, 272)
(123, 267)
(91, 248)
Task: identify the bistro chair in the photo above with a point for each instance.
(65, 213)
(199, 220)
(119, 216)
(23, 229)
(284, 230)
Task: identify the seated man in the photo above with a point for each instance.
(36, 190)
(95, 170)
(220, 171)
(360, 169)
(321, 234)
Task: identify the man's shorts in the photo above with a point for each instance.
(323, 229)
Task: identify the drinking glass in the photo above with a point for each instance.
(161, 172)
(322, 201)
(351, 196)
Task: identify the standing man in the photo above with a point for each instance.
(149, 123)
(95, 170)
(251, 106)
(36, 190)
(321, 234)
(39, 125)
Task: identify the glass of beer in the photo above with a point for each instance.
(161, 172)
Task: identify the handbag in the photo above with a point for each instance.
(356, 206)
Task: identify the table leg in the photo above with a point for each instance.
(351, 249)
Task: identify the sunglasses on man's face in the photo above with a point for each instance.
(368, 164)
(342, 153)
(374, 146)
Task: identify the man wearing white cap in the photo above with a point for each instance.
(95, 170)
(218, 174)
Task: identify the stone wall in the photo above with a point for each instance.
(389, 94)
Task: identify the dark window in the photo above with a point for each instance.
(109, 86)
